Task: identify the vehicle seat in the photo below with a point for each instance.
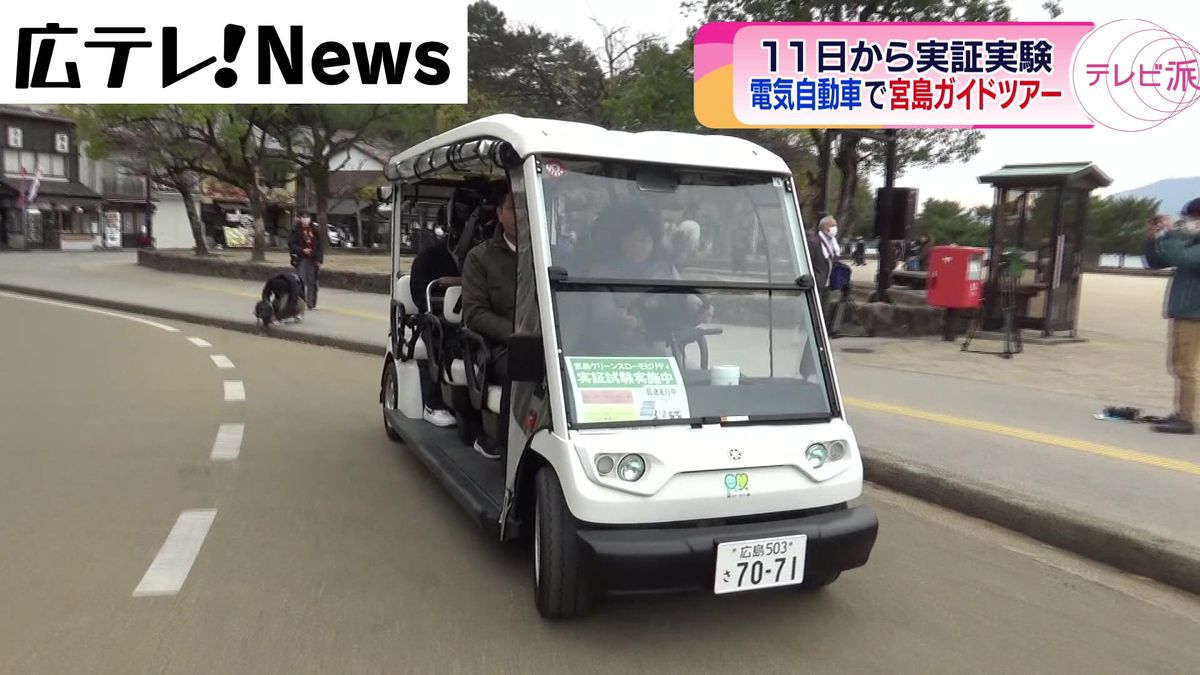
(493, 398)
(452, 374)
(456, 373)
(407, 322)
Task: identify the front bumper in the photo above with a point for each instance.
(672, 559)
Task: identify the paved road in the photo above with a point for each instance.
(333, 550)
(1139, 481)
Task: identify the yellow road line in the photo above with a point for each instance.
(1112, 452)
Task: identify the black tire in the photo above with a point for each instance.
(818, 580)
(561, 587)
(390, 396)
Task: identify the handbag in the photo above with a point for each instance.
(839, 272)
(839, 276)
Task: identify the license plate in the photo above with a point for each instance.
(759, 563)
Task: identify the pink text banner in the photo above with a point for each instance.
(887, 75)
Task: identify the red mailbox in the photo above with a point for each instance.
(955, 277)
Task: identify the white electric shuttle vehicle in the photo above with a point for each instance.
(671, 418)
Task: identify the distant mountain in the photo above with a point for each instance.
(1172, 193)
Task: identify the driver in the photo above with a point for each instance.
(622, 322)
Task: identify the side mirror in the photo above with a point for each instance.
(383, 193)
(526, 360)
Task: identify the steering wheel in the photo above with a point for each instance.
(674, 322)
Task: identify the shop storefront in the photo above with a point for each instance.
(65, 216)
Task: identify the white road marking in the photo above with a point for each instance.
(229, 442)
(235, 390)
(170, 568)
(199, 342)
(221, 360)
(93, 310)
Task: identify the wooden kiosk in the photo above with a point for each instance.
(1040, 210)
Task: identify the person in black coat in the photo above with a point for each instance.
(281, 297)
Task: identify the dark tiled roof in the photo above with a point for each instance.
(30, 113)
(1075, 173)
(47, 188)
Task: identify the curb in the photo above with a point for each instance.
(1128, 549)
(247, 326)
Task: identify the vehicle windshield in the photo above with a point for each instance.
(612, 219)
(679, 303)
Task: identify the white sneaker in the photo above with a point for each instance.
(439, 418)
(485, 451)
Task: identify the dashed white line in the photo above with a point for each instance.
(174, 561)
(221, 361)
(228, 444)
(199, 342)
(93, 310)
(235, 390)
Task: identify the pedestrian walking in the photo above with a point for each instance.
(1179, 247)
(308, 254)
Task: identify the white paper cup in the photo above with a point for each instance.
(724, 376)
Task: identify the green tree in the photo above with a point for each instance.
(946, 222)
(239, 150)
(1117, 225)
(654, 92)
(317, 139)
(528, 71)
(149, 140)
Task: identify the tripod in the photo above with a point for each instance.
(844, 310)
(1008, 312)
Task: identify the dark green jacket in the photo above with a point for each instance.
(489, 290)
(1182, 252)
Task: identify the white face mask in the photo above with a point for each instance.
(833, 232)
(1192, 225)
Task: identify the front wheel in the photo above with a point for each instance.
(818, 580)
(561, 584)
(390, 397)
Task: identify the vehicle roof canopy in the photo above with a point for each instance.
(529, 136)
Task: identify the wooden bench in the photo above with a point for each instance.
(910, 278)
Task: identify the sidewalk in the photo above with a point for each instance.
(115, 279)
(1010, 440)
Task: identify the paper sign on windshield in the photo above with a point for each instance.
(620, 389)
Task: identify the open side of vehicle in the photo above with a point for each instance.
(672, 419)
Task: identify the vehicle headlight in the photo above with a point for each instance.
(604, 464)
(837, 450)
(817, 454)
(631, 468)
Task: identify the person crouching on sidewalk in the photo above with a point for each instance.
(1180, 248)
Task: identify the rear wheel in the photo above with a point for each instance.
(390, 397)
(561, 586)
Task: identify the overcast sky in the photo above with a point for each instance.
(1171, 150)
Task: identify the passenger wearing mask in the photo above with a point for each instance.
(823, 250)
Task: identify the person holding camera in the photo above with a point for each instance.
(1179, 247)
